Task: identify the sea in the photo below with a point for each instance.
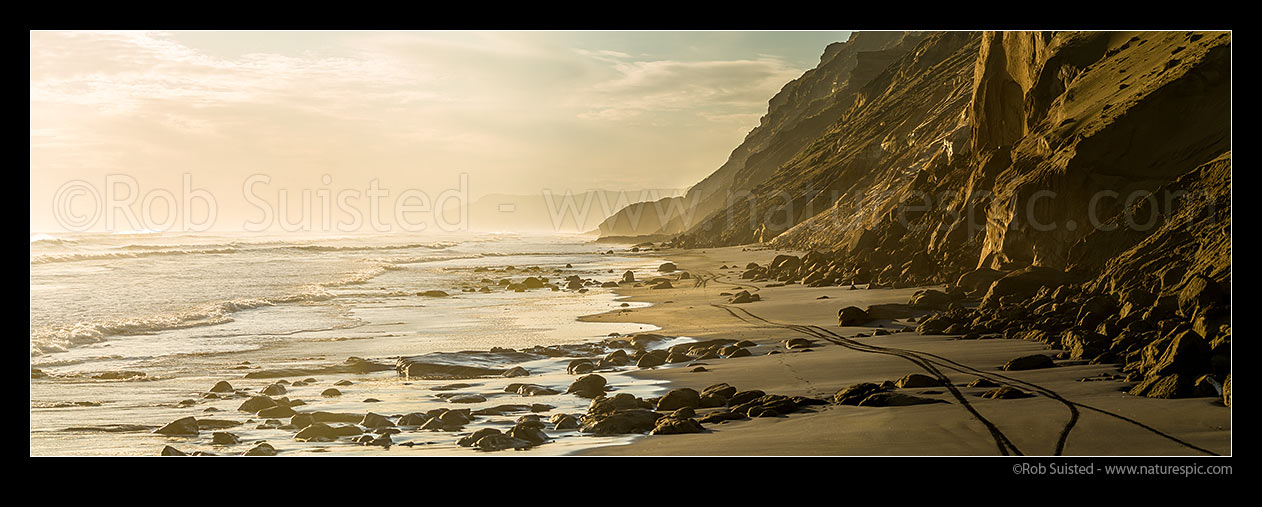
(129, 331)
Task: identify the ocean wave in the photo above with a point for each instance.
(363, 275)
(62, 338)
(90, 256)
(358, 248)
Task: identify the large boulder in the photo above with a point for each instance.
(667, 267)
(676, 426)
(588, 386)
(852, 316)
(914, 380)
(185, 426)
(680, 398)
(930, 299)
(620, 422)
(978, 280)
(1024, 283)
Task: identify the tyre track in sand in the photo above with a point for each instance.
(932, 362)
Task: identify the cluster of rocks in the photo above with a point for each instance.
(1174, 345)
(824, 269)
(676, 412)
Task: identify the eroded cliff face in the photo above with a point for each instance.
(797, 115)
(995, 150)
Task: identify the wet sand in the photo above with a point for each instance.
(1090, 418)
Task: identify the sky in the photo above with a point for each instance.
(133, 130)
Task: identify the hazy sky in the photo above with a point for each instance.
(517, 112)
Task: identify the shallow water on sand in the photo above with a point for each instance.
(187, 311)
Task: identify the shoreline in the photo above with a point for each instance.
(1105, 420)
(958, 422)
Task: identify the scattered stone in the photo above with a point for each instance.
(224, 438)
(852, 316)
(1006, 393)
(856, 393)
(887, 399)
(914, 380)
(981, 382)
(588, 386)
(679, 398)
(261, 449)
(330, 393)
(186, 426)
(222, 387)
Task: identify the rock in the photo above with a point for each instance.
(771, 405)
(978, 280)
(650, 360)
(186, 426)
(664, 284)
(222, 387)
(224, 438)
(620, 422)
(674, 426)
(278, 411)
(472, 439)
(273, 390)
(667, 267)
(321, 432)
(628, 277)
(852, 316)
(529, 432)
(1084, 344)
(1227, 391)
(580, 367)
(433, 294)
(587, 386)
(1200, 292)
(679, 398)
(621, 401)
(797, 343)
(516, 371)
(1030, 362)
(742, 397)
(720, 416)
(913, 380)
(856, 393)
(1006, 393)
(171, 451)
(1208, 387)
(722, 390)
(930, 299)
(887, 399)
(343, 383)
(564, 422)
(744, 297)
(372, 420)
(617, 357)
(1187, 354)
(739, 352)
(1165, 386)
(981, 382)
(1023, 283)
(467, 398)
(499, 442)
(330, 393)
(261, 449)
